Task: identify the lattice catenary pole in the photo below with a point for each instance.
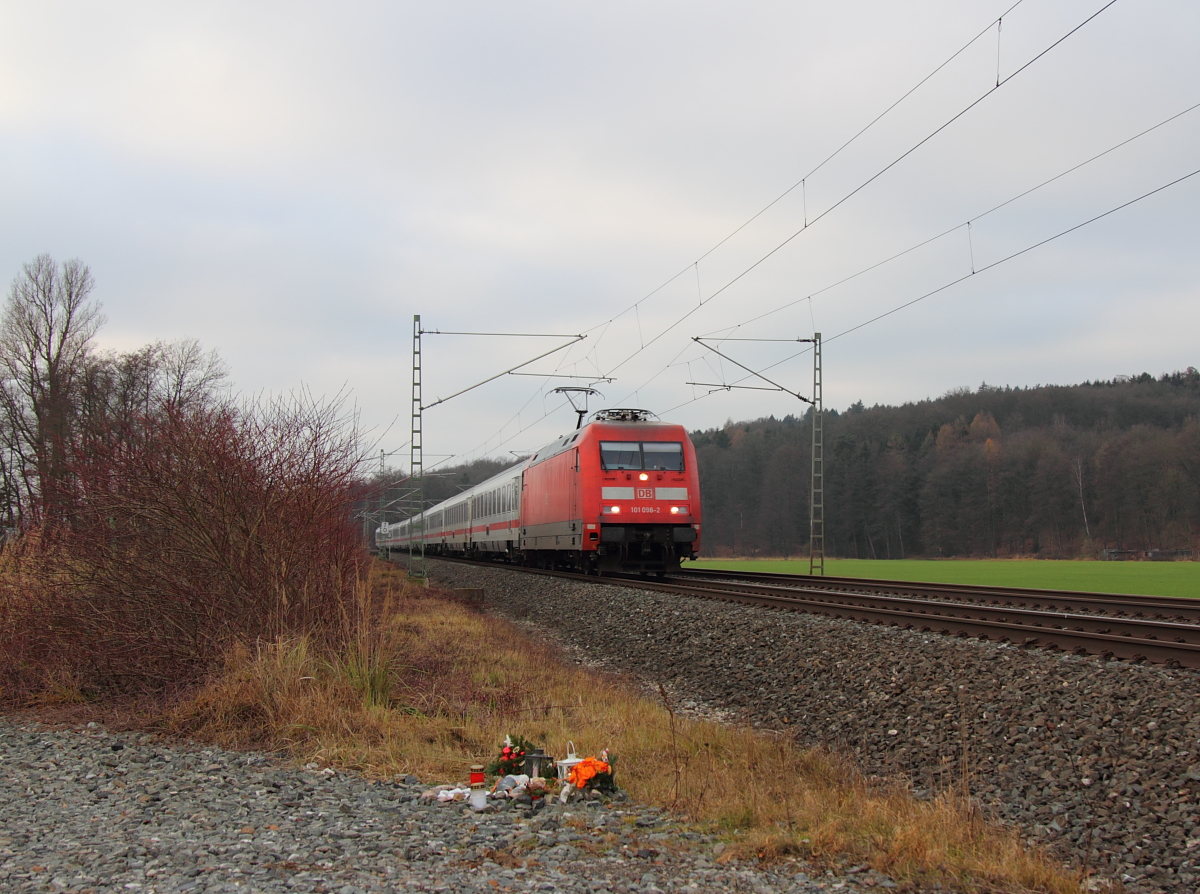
(816, 501)
(816, 505)
(382, 486)
(416, 468)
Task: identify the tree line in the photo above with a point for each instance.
(60, 394)
(1050, 471)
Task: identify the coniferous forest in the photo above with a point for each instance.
(1047, 471)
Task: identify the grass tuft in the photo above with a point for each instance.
(369, 673)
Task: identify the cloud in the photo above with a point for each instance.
(290, 183)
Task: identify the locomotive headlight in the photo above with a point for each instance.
(679, 510)
(643, 477)
(610, 510)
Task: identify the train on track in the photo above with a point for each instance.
(619, 494)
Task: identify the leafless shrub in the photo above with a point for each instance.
(189, 530)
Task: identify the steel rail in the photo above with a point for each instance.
(1135, 639)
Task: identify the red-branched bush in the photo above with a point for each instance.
(188, 532)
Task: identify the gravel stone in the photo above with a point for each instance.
(1099, 760)
(87, 811)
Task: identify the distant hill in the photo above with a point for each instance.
(1051, 471)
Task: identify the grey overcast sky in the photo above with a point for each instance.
(290, 182)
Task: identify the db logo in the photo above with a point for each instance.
(645, 493)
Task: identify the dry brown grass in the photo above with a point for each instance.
(432, 686)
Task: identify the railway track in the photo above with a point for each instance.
(1161, 630)
(1154, 607)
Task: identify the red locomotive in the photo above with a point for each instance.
(620, 493)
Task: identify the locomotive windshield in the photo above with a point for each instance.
(662, 456)
(620, 455)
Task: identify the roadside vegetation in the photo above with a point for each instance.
(158, 520)
(1139, 578)
(430, 685)
(192, 558)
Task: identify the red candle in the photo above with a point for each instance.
(477, 774)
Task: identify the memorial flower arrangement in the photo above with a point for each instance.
(511, 759)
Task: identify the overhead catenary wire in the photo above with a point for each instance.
(974, 219)
(1016, 254)
(512, 370)
(861, 186)
(558, 375)
(838, 151)
(964, 278)
(506, 334)
(442, 400)
(759, 374)
(644, 344)
(801, 182)
(605, 325)
(910, 150)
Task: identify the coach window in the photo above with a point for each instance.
(620, 455)
(663, 456)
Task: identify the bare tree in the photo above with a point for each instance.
(119, 392)
(190, 378)
(46, 333)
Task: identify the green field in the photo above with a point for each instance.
(1144, 578)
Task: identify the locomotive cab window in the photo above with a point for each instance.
(663, 456)
(659, 456)
(620, 455)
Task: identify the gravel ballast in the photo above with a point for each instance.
(88, 811)
(1098, 760)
